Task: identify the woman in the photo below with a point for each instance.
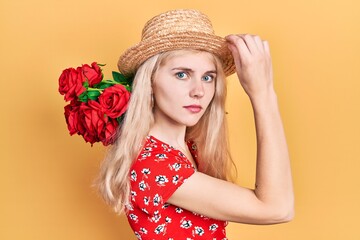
(168, 169)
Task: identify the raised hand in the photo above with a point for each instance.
(253, 63)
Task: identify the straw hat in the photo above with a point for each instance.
(172, 30)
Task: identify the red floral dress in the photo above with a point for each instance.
(156, 174)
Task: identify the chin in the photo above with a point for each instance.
(191, 123)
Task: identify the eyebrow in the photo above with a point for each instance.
(190, 70)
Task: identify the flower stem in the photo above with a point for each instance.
(95, 89)
(110, 81)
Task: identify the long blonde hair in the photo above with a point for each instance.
(209, 134)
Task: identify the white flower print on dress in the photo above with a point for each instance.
(181, 155)
(176, 166)
(146, 172)
(168, 220)
(161, 180)
(146, 200)
(143, 230)
(133, 175)
(146, 154)
(165, 205)
(133, 217)
(199, 231)
(159, 229)
(142, 186)
(156, 200)
(178, 210)
(138, 235)
(166, 148)
(213, 227)
(175, 179)
(148, 149)
(161, 156)
(186, 224)
(133, 195)
(156, 216)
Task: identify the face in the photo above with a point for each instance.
(183, 87)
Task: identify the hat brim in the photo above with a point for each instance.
(130, 61)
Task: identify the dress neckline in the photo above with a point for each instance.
(188, 143)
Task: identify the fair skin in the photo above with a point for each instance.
(183, 87)
(272, 200)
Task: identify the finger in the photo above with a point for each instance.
(239, 43)
(259, 43)
(250, 43)
(266, 47)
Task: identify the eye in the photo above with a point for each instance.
(181, 75)
(208, 78)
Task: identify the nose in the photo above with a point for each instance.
(197, 89)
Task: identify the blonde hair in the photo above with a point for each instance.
(209, 134)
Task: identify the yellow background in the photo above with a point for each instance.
(45, 175)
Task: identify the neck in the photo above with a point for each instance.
(169, 132)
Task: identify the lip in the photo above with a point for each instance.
(193, 108)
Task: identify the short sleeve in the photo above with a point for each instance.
(157, 173)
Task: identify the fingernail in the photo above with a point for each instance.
(228, 37)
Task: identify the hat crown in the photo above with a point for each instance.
(176, 30)
(177, 21)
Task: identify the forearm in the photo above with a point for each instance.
(273, 173)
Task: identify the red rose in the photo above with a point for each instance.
(99, 127)
(109, 132)
(114, 100)
(71, 83)
(93, 74)
(72, 118)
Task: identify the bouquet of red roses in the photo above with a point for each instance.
(97, 106)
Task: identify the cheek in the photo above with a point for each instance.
(166, 96)
(169, 90)
(210, 93)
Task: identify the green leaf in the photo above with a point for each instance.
(118, 77)
(93, 95)
(103, 85)
(86, 84)
(83, 97)
(120, 119)
(128, 87)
